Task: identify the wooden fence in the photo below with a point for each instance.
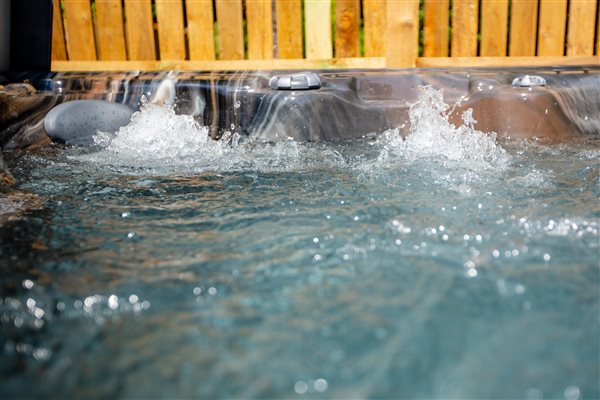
(293, 34)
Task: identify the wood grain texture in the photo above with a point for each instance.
(494, 28)
(231, 31)
(171, 36)
(435, 28)
(598, 32)
(303, 64)
(582, 18)
(201, 29)
(375, 20)
(402, 46)
(523, 28)
(139, 30)
(289, 28)
(317, 22)
(59, 49)
(466, 62)
(464, 28)
(110, 33)
(79, 32)
(347, 25)
(259, 22)
(220, 65)
(552, 28)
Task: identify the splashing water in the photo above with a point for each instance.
(157, 135)
(432, 135)
(157, 139)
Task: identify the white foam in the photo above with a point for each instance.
(159, 140)
(432, 135)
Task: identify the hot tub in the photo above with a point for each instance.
(359, 237)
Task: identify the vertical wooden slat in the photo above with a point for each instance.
(59, 51)
(598, 32)
(494, 28)
(200, 25)
(374, 17)
(289, 28)
(317, 22)
(551, 32)
(402, 46)
(523, 27)
(580, 36)
(464, 28)
(110, 36)
(435, 28)
(231, 33)
(79, 31)
(259, 20)
(347, 21)
(171, 37)
(139, 30)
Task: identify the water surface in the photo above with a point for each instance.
(166, 265)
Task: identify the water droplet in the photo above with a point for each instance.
(572, 392)
(321, 385)
(113, 302)
(301, 387)
(27, 284)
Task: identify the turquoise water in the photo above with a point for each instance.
(445, 265)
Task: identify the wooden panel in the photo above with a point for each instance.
(201, 29)
(171, 37)
(435, 28)
(464, 28)
(110, 36)
(221, 65)
(551, 32)
(466, 62)
(347, 21)
(371, 62)
(494, 27)
(582, 17)
(317, 21)
(139, 30)
(598, 32)
(374, 18)
(79, 31)
(523, 27)
(259, 20)
(289, 28)
(59, 50)
(402, 46)
(231, 33)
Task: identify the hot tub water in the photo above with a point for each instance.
(446, 264)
